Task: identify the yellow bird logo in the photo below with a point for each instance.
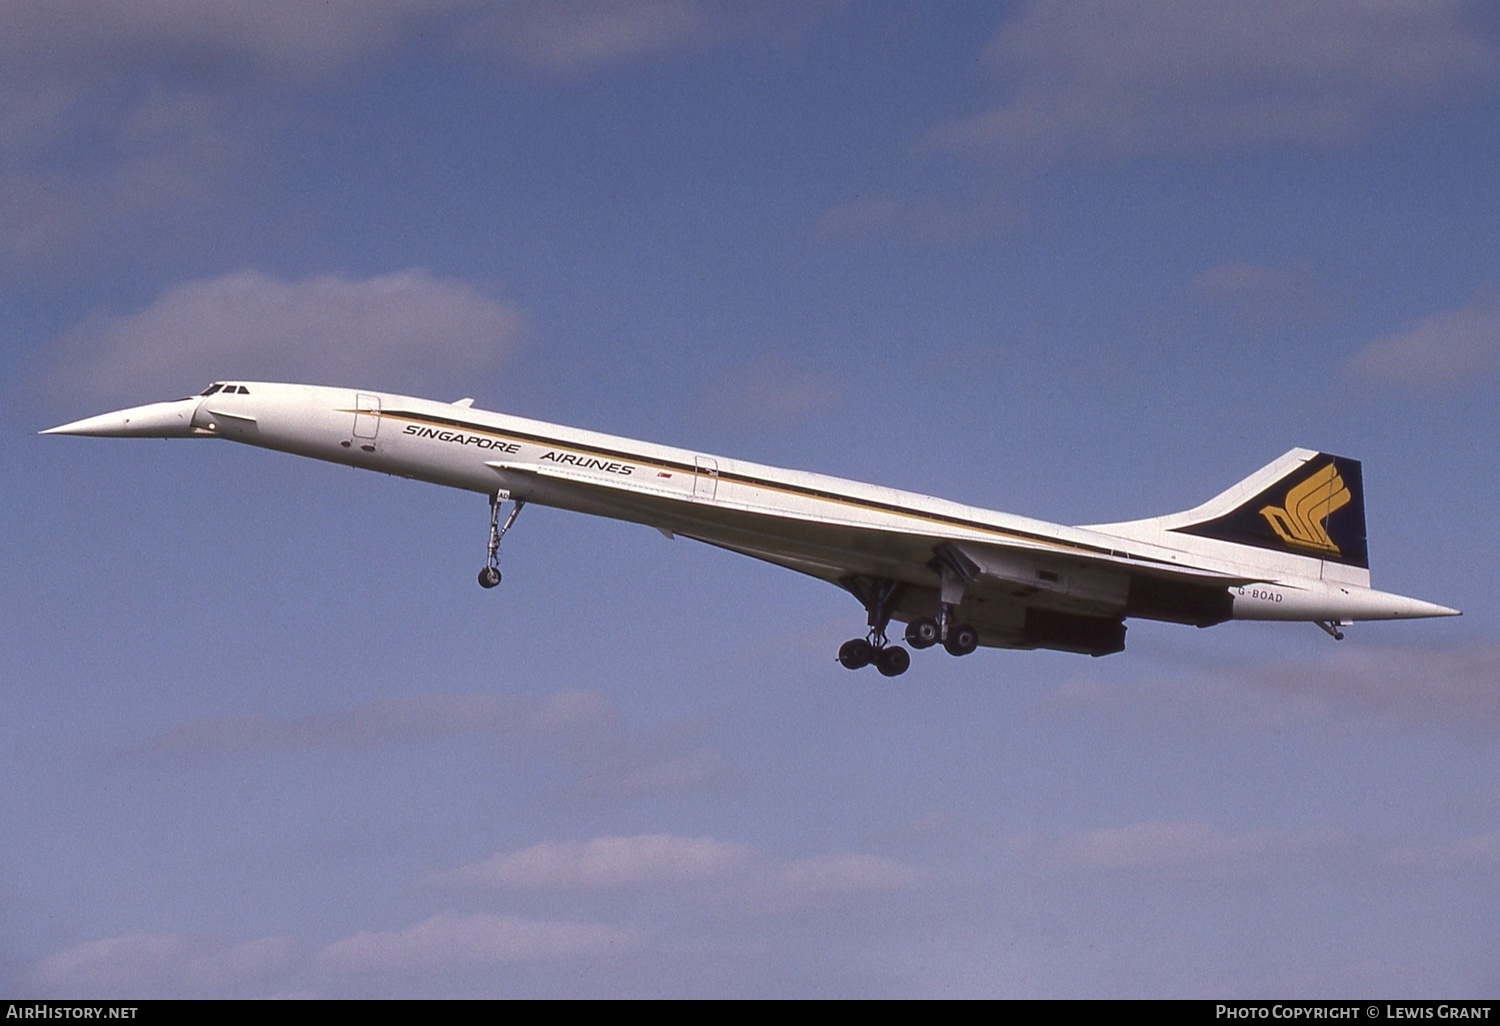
(1300, 522)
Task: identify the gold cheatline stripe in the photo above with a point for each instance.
(789, 489)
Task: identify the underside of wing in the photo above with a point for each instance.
(1025, 599)
(1015, 596)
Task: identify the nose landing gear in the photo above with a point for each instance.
(489, 574)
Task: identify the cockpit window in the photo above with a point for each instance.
(211, 389)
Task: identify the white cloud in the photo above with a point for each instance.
(1105, 78)
(85, 40)
(667, 880)
(605, 758)
(56, 55)
(770, 392)
(1257, 296)
(1453, 348)
(86, 37)
(1358, 689)
(155, 157)
(714, 874)
(824, 876)
(449, 942)
(170, 965)
(1477, 852)
(930, 220)
(161, 965)
(602, 863)
(79, 76)
(90, 70)
(651, 766)
(580, 35)
(1177, 850)
(405, 329)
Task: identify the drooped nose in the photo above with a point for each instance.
(156, 420)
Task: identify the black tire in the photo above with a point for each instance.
(923, 633)
(856, 654)
(489, 577)
(962, 640)
(892, 661)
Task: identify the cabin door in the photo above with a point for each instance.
(366, 417)
(705, 478)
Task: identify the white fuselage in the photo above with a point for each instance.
(824, 526)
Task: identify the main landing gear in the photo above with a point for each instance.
(961, 639)
(958, 638)
(489, 576)
(878, 598)
(857, 653)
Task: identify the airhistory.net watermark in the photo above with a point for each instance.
(46, 1010)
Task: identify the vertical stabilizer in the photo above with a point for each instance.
(1316, 508)
(1308, 504)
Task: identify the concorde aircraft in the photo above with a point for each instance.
(1286, 543)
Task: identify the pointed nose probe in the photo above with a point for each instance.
(155, 420)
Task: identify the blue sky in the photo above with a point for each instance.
(1083, 262)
